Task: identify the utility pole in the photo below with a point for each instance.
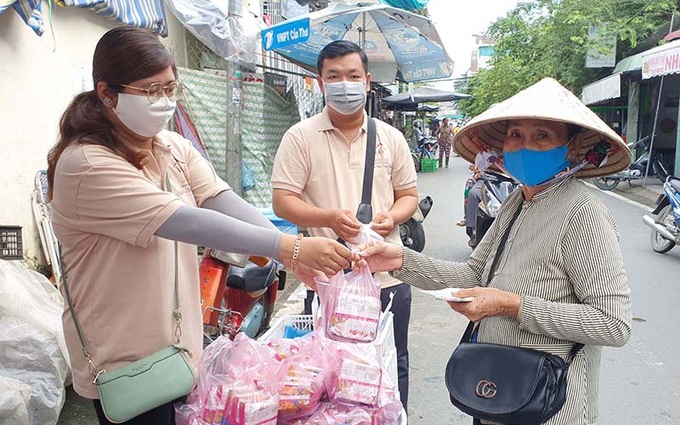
(234, 107)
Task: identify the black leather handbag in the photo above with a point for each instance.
(504, 384)
(508, 385)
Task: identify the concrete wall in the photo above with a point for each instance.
(37, 82)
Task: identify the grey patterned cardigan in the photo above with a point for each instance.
(563, 257)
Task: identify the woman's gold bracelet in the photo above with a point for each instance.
(296, 251)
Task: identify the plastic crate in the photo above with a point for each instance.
(11, 247)
(428, 165)
(300, 322)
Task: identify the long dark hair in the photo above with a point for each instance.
(122, 55)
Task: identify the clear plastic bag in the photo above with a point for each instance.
(225, 27)
(33, 350)
(351, 306)
(366, 234)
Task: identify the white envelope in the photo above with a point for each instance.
(447, 294)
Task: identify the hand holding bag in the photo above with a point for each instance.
(504, 384)
(141, 386)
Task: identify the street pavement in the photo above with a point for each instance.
(637, 383)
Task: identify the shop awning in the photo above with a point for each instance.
(629, 64)
(149, 14)
(29, 10)
(661, 60)
(604, 89)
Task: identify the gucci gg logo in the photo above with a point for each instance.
(485, 389)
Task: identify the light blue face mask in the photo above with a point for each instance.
(531, 168)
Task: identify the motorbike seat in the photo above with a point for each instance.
(675, 184)
(252, 277)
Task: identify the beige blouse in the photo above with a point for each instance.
(563, 256)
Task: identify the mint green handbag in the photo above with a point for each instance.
(152, 381)
(149, 382)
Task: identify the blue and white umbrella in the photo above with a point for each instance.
(398, 43)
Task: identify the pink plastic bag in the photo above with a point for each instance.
(239, 372)
(252, 400)
(302, 378)
(351, 306)
(356, 374)
(332, 413)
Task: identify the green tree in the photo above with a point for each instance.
(549, 38)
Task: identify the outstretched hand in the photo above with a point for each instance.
(380, 256)
(486, 302)
(324, 255)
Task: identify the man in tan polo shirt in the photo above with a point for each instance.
(319, 171)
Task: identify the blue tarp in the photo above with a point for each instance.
(29, 10)
(406, 4)
(149, 14)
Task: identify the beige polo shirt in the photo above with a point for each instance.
(316, 162)
(121, 277)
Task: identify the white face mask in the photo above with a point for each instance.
(141, 117)
(346, 97)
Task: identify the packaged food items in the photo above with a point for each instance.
(351, 306)
(237, 385)
(301, 383)
(356, 374)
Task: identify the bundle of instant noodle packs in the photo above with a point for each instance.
(306, 380)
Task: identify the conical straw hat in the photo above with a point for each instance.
(546, 100)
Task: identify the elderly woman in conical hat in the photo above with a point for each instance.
(549, 272)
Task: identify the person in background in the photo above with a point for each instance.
(558, 276)
(418, 135)
(122, 191)
(473, 192)
(434, 127)
(444, 137)
(319, 170)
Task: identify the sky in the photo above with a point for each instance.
(456, 21)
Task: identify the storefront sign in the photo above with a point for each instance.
(603, 53)
(661, 63)
(295, 31)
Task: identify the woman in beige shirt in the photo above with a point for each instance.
(560, 278)
(123, 190)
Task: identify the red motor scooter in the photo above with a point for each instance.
(238, 293)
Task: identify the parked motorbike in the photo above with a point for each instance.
(427, 148)
(411, 231)
(659, 167)
(666, 227)
(496, 188)
(238, 293)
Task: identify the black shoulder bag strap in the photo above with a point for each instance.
(365, 211)
(501, 247)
